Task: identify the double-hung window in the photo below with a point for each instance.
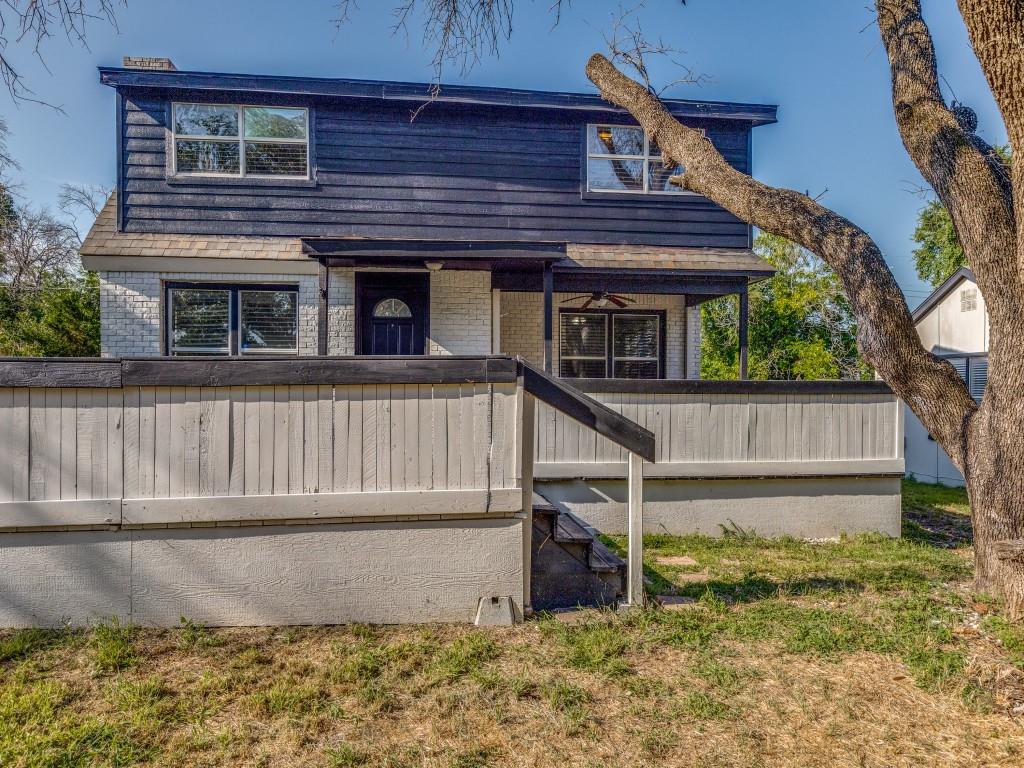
(232, 140)
(610, 344)
(622, 158)
(214, 319)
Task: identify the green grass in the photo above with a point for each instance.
(861, 639)
(112, 647)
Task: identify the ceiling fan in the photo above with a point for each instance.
(601, 299)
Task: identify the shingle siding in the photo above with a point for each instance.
(455, 172)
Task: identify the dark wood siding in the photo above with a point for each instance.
(456, 172)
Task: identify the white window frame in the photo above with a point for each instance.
(240, 139)
(646, 158)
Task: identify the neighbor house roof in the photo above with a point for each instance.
(947, 287)
(417, 93)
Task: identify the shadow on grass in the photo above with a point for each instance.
(751, 588)
(936, 515)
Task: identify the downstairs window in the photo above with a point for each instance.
(598, 344)
(214, 319)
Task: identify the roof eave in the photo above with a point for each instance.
(118, 77)
(926, 306)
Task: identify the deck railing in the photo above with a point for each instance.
(147, 442)
(718, 429)
(141, 443)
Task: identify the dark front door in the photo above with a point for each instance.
(392, 313)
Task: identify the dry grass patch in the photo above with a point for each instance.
(867, 652)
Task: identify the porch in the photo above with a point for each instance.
(558, 305)
(388, 490)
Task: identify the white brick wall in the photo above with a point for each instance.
(131, 308)
(460, 312)
(131, 304)
(522, 328)
(341, 312)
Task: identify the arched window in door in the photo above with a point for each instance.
(391, 308)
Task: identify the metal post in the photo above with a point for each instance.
(549, 289)
(744, 323)
(635, 514)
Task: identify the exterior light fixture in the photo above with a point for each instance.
(433, 266)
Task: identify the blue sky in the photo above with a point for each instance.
(820, 61)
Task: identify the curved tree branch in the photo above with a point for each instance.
(976, 196)
(886, 335)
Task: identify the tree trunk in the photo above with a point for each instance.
(994, 473)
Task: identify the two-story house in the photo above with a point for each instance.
(309, 411)
(258, 215)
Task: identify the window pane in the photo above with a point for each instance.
(269, 321)
(206, 156)
(275, 159)
(660, 174)
(636, 369)
(616, 175)
(392, 308)
(274, 123)
(583, 335)
(205, 120)
(199, 321)
(635, 336)
(581, 369)
(611, 140)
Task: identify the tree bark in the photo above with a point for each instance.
(985, 442)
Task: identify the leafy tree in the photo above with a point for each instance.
(47, 306)
(58, 318)
(938, 254)
(801, 325)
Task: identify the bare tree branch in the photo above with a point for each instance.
(33, 246)
(32, 23)
(77, 200)
(630, 47)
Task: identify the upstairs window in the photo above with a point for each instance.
(610, 344)
(622, 158)
(229, 140)
(209, 319)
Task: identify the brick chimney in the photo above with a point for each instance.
(149, 62)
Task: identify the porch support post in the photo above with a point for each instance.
(527, 420)
(323, 315)
(744, 323)
(635, 516)
(549, 289)
(686, 337)
(496, 321)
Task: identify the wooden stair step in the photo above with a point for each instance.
(603, 559)
(569, 531)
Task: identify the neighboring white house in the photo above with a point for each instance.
(952, 323)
